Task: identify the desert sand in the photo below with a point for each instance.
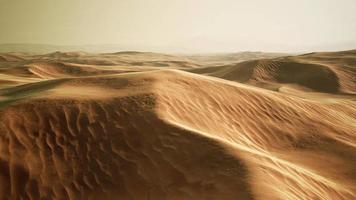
(149, 126)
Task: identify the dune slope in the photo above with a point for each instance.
(319, 72)
(81, 131)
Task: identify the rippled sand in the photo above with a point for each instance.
(149, 126)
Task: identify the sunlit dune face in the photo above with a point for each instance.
(133, 125)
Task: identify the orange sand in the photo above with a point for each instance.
(147, 126)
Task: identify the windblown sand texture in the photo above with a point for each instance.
(147, 126)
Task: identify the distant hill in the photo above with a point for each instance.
(45, 48)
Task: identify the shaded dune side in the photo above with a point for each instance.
(343, 63)
(320, 74)
(313, 76)
(264, 72)
(112, 148)
(240, 72)
(288, 141)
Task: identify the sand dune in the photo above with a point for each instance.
(266, 129)
(61, 70)
(9, 57)
(230, 58)
(319, 72)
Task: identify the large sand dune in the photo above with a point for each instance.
(320, 72)
(133, 125)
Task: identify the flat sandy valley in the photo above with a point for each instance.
(150, 126)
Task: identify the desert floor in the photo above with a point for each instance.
(149, 126)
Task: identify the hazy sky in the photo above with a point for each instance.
(183, 25)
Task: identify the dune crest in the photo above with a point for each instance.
(276, 128)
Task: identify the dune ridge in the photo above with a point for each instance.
(81, 131)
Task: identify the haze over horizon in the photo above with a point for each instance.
(183, 26)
